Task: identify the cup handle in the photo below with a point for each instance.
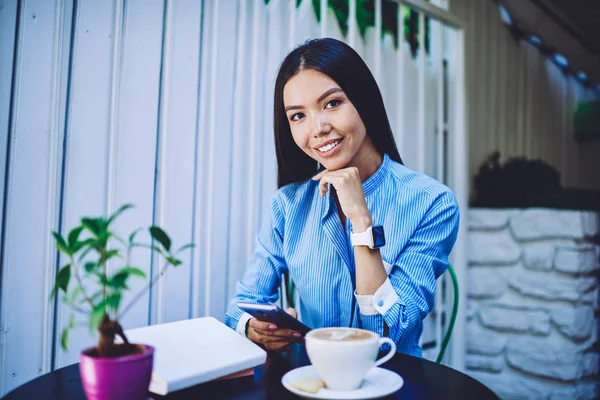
(390, 354)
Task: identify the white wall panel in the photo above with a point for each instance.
(176, 166)
(88, 133)
(216, 128)
(136, 131)
(8, 22)
(28, 261)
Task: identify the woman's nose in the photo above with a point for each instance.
(322, 127)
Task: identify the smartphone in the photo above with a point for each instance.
(275, 315)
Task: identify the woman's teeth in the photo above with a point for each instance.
(329, 146)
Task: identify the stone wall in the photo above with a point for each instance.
(533, 309)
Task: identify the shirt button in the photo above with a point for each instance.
(380, 303)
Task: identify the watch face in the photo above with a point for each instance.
(378, 237)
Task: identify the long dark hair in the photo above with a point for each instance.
(342, 64)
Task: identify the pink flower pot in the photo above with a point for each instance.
(125, 377)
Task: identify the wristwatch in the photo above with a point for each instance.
(373, 237)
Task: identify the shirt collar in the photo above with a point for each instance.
(371, 184)
(368, 186)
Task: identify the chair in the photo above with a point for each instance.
(448, 333)
(290, 291)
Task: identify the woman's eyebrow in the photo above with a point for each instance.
(327, 93)
(321, 97)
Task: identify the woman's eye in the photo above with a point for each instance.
(332, 103)
(296, 117)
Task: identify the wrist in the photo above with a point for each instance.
(361, 223)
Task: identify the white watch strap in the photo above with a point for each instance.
(363, 239)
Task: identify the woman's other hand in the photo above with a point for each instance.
(270, 336)
(350, 195)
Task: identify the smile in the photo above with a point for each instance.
(329, 147)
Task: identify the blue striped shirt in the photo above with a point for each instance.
(302, 235)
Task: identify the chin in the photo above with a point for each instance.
(333, 165)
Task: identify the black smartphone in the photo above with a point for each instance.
(275, 315)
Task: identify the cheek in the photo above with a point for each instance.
(300, 137)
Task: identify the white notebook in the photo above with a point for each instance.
(194, 351)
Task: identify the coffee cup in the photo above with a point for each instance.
(343, 356)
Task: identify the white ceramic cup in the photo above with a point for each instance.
(342, 364)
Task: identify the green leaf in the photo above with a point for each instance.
(104, 281)
(186, 246)
(64, 338)
(74, 235)
(94, 225)
(159, 235)
(90, 267)
(75, 247)
(173, 261)
(134, 271)
(62, 280)
(118, 280)
(133, 234)
(97, 315)
(112, 253)
(113, 301)
(120, 277)
(61, 244)
(118, 212)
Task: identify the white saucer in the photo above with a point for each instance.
(378, 383)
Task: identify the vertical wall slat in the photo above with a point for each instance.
(136, 117)
(323, 14)
(352, 23)
(236, 253)
(85, 187)
(253, 129)
(421, 96)
(400, 133)
(378, 29)
(176, 171)
(33, 163)
(162, 151)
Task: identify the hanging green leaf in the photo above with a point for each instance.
(97, 315)
(159, 235)
(113, 301)
(74, 235)
(173, 261)
(62, 280)
(118, 212)
(90, 267)
(94, 225)
(185, 247)
(61, 244)
(112, 253)
(133, 235)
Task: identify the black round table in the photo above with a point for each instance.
(423, 379)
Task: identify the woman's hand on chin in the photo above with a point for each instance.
(351, 197)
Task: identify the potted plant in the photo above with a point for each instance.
(109, 370)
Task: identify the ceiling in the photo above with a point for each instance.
(570, 27)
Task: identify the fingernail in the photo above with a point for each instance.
(297, 334)
(272, 327)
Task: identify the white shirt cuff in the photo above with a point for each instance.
(241, 326)
(379, 302)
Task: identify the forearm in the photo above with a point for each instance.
(370, 272)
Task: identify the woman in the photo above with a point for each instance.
(326, 227)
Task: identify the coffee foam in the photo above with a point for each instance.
(339, 335)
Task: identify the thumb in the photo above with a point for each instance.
(292, 312)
